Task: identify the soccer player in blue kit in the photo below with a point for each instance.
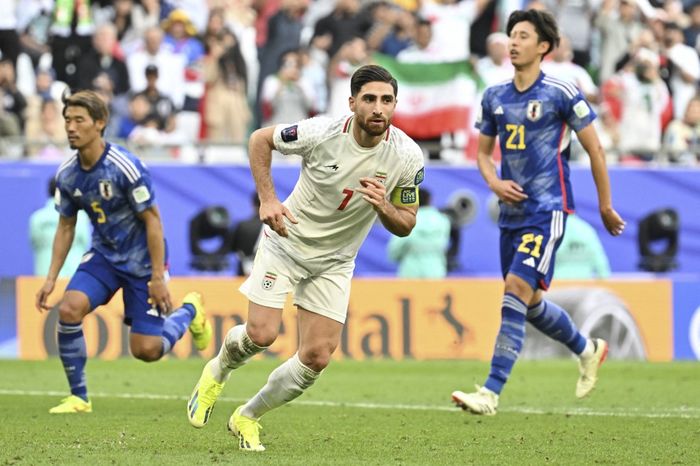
(533, 115)
(128, 251)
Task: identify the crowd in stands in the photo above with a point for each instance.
(186, 71)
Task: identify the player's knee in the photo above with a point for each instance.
(316, 357)
(261, 334)
(147, 353)
(70, 312)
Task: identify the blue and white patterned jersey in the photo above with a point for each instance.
(534, 130)
(112, 192)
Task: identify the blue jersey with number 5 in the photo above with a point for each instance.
(534, 132)
(112, 192)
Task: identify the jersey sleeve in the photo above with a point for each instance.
(485, 120)
(300, 138)
(577, 112)
(64, 203)
(140, 191)
(406, 191)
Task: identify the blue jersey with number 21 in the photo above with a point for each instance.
(112, 192)
(534, 131)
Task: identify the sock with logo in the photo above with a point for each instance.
(237, 349)
(71, 348)
(508, 343)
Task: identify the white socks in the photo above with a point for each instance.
(237, 349)
(285, 383)
(588, 350)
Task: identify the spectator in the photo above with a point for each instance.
(244, 238)
(644, 98)
(162, 108)
(684, 68)
(423, 253)
(495, 67)
(9, 123)
(101, 61)
(619, 27)
(139, 111)
(285, 95)
(691, 32)
(171, 66)
(344, 23)
(682, 137)
(394, 31)
(34, 20)
(13, 102)
(562, 67)
(45, 130)
(351, 56)
(226, 111)
(576, 18)
(421, 50)
(130, 21)
(451, 21)
(71, 37)
(9, 39)
(581, 254)
(42, 228)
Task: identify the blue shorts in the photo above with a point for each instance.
(528, 251)
(99, 280)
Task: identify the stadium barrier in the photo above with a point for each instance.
(398, 319)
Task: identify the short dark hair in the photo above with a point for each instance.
(90, 101)
(544, 22)
(371, 73)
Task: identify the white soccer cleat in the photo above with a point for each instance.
(483, 401)
(588, 368)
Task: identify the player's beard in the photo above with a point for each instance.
(373, 131)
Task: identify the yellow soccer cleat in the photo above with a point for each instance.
(203, 398)
(247, 430)
(72, 404)
(588, 368)
(200, 326)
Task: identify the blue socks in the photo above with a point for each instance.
(554, 322)
(175, 326)
(509, 342)
(71, 348)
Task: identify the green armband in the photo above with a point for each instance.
(404, 196)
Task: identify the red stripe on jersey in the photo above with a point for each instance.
(561, 173)
(387, 133)
(346, 125)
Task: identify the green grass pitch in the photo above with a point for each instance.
(371, 412)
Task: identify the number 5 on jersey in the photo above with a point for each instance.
(101, 217)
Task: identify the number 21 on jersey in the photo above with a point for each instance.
(516, 137)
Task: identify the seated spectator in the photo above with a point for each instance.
(162, 108)
(495, 67)
(139, 110)
(45, 130)
(101, 60)
(13, 102)
(682, 137)
(561, 66)
(420, 51)
(349, 58)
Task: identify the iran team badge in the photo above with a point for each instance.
(381, 177)
(268, 280)
(534, 110)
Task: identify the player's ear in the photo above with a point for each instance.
(351, 103)
(543, 47)
(100, 125)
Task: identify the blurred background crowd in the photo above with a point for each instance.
(205, 73)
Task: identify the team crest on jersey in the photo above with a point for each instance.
(106, 190)
(420, 176)
(269, 280)
(381, 177)
(534, 110)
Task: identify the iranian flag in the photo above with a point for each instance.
(434, 98)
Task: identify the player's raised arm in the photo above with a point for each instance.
(62, 242)
(508, 191)
(157, 287)
(611, 219)
(272, 211)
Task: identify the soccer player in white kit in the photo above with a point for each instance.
(354, 169)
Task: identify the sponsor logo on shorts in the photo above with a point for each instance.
(87, 257)
(268, 280)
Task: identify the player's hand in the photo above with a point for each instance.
(272, 213)
(374, 192)
(43, 294)
(612, 221)
(509, 191)
(159, 296)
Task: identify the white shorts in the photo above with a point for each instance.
(322, 289)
